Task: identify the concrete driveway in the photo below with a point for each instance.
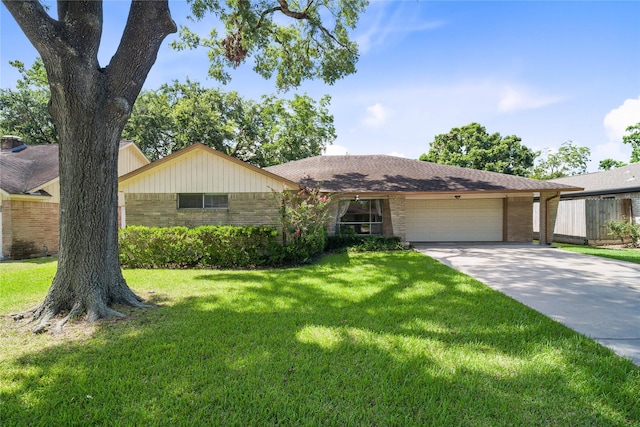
(595, 296)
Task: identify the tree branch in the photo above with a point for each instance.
(41, 30)
(148, 24)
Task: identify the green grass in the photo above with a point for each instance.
(357, 339)
(631, 255)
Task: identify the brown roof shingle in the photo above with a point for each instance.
(621, 180)
(23, 171)
(380, 173)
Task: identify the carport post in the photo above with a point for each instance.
(548, 212)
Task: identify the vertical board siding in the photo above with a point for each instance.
(202, 172)
(571, 219)
(585, 219)
(601, 211)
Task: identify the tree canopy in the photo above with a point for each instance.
(633, 139)
(91, 103)
(569, 159)
(264, 133)
(608, 164)
(471, 146)
(23, 110)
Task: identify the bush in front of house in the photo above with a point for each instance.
(233, 247)
(206, 246)
(624, 230)
(360, 243)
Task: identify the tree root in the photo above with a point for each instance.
(45, 311)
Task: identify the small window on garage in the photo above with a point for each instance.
(202, 201)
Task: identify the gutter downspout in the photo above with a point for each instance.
(547, 241)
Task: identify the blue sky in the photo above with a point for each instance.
(548, 72)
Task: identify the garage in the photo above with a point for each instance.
(454, 220)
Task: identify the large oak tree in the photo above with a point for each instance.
(264, 133)
(91, 103)
(471, 146)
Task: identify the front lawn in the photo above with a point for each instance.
(357, 339)
(622, 254)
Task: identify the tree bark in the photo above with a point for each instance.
(90, 106)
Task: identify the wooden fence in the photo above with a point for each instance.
(584, 221)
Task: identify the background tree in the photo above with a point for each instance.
(634, 140)
(23, 110)
(608, 164)
(472, 147)
(263, 133)
(570, 159)
(91, 103)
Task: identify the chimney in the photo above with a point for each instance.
(8, 142)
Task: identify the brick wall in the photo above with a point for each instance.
(519, 219)
(397, 208)
(33, 223)
(160, 210)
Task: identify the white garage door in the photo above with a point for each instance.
(475, 220)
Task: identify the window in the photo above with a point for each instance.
(203, 201)
(360, 216)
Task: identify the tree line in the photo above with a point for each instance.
(272, 130)
(471, 146)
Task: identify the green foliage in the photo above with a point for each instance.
(360, 243)
(570, 159)
(304, 215)
(264, 133)
(206, 246)
(608, 164)
(625, 230)
(387, 339)
(472, 147)
(24, 110)
(634, 140)
(288, 41)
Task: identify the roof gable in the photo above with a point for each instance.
(198, 168)
(23, 171)
(37, 166)
(380, 173)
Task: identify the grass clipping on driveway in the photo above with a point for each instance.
(357, 339)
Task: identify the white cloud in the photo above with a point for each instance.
(617, 120)
(522, 98)
(377, 115)
(380, 27)
(396, 154)
(335, 150)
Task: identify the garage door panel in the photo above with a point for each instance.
(454, 220)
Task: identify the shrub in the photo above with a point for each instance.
(359, 243)
(303, 214)
(624, 230)
(206, 246)
(21, 249)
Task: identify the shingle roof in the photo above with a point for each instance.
(620, 180)
(379, 173)
(23, 171)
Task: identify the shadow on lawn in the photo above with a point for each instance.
(405, 341)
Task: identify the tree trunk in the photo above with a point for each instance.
(90, 106)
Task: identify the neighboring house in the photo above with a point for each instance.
(607, 195)
(201, 186)
(426, 202)
(30, 195)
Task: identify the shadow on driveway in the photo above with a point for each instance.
(595, 296)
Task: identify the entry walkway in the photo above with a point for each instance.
(595, 296)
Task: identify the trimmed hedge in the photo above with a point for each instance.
(216, 247)
(206, 246)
